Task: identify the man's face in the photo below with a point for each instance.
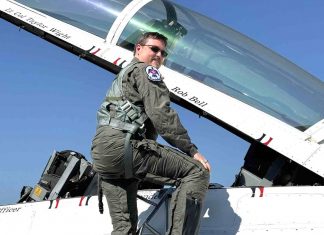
(152, 53)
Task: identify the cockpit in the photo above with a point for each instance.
(208, 52)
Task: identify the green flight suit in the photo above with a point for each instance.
(143, 86)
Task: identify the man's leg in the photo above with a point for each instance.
(121, 198)
(193, 179)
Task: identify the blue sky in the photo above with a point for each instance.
(49, 98)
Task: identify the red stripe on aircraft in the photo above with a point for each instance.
(268, 142)
(115, 62)
(262, 137)
(57, 202)
(81, 199)
(95, 51)
(261, 191)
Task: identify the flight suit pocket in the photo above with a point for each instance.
(148, 146)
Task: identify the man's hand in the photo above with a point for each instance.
(199, 157)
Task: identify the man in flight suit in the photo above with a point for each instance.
(124, 150)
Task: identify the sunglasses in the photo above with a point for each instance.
(156, 49)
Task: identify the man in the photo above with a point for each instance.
(135, 110)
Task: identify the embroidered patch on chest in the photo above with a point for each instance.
(153, 74)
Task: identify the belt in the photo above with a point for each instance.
(120, 125)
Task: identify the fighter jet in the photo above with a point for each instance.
(211, 70)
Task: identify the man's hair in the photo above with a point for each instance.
(153, 35)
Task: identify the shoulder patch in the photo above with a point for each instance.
(153, 74)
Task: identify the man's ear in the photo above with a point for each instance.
(137, 48)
